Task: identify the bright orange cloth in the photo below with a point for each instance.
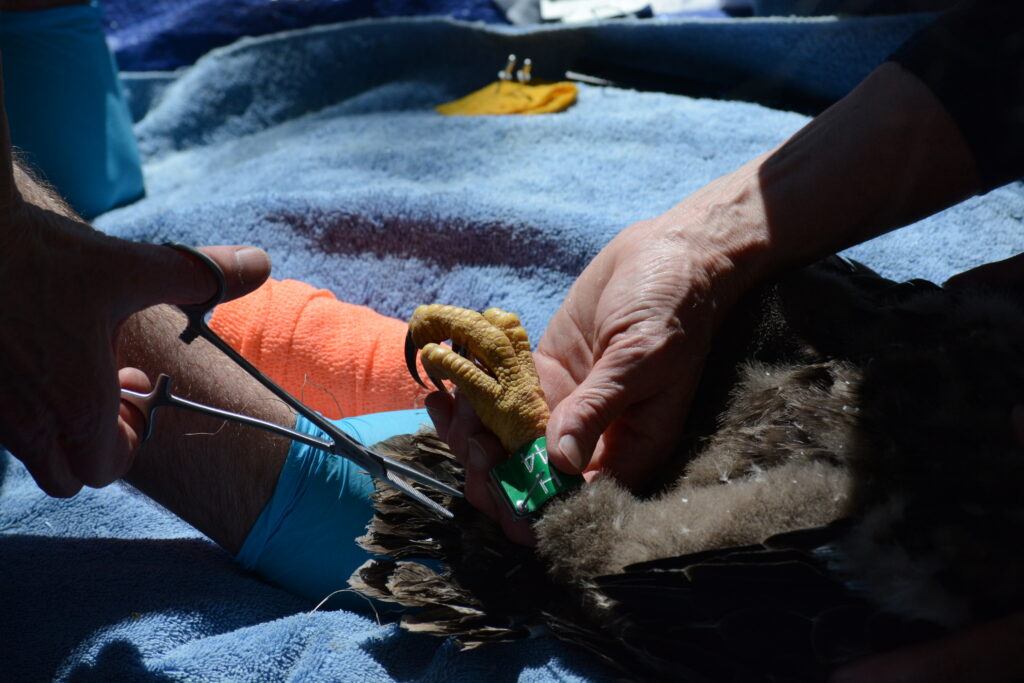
(509, 97)
(338, 358)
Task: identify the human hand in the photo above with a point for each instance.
(65, 289)
(1007, 274)
(619, 360)
(986, 653)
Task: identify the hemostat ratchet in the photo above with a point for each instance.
(381, 467)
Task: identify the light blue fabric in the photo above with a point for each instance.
(323, 147)
(65, 107)
(304, 540)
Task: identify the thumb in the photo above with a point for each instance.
(160, 274)
(580, 419)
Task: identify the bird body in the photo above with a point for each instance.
(849, 482)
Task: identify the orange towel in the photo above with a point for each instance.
(338, 358)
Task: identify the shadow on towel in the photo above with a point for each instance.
(406, 655)
(174, 580)
(118, 660)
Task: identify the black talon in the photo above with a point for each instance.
(439, 384)
(410, 363)
(410, 359)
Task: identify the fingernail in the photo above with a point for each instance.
(250, 258)
(434, 415)
(569, 447)
(478, 459)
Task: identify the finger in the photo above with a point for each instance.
(117, 460)
(643, 438)
(54, 476)
(131, 421)
(484, 453)
(464, 424)
(517, 530)
(481, 493)
(88, 432)
(42, 457)
(160, 274)
(1006, 274)
(28, 431)
(581, 418)
(439, 405)
(989, 652)
(49, 468)
(478, 492)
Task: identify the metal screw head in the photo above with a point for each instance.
(525, 74)
(510, 67)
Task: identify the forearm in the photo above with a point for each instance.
(882, 157)
(217, 476)
(34, 191)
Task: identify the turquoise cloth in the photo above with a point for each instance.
(65, 107)
(304, 540)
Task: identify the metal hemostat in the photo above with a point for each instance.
(392, 472)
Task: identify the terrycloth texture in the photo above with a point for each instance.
(167, 34)
(323, 147)
(341, 359)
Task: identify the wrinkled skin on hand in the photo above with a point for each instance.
(64, 291)
(618, 362)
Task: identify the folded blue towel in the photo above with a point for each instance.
(167, 34)
(321, 145)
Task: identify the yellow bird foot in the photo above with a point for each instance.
(490, 362)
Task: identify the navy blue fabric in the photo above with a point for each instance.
(166, 34)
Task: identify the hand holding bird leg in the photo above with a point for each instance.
(499, 405)
(502, 383)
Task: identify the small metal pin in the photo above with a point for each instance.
(521, 504)
(525, 75)
(510, 68)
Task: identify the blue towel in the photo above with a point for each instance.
(167, 34)
(321, 145)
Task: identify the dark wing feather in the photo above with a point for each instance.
(771, 612)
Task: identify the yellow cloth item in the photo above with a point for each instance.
(338, 358)
(509, 97)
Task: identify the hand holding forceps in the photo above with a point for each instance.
(381, 467)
